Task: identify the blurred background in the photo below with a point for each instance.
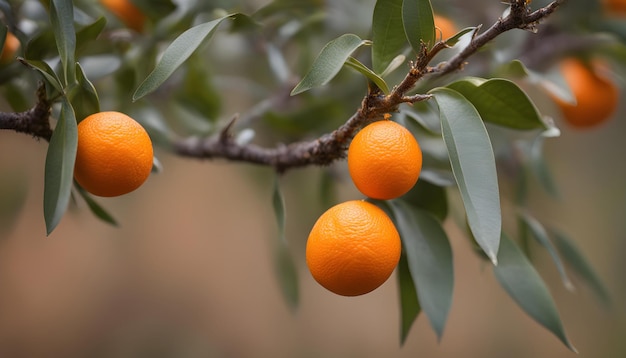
(188, 272)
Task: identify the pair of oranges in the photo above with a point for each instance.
(354, 246)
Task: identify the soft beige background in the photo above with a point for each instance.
(188, 273)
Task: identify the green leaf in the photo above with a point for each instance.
(62, 19)
(500, 101)
(429, 197)
(387, 33)
(284, 263)
(474, 167)
(522, 282)
(540, 168)
(90, 32)
(429, 258)
(409, 302)
(59, 168)
(376, 79)
(455, 39)
(95, 208)
(176, 54)
(329, 62)
(47, 73)
(575, 259)
(419, 23)
(539, 233)
(84, 98)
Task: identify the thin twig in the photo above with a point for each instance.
(332, 146)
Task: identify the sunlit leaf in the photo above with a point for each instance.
(500, 101)
(329, 62)
(522, 282)
(62, 19)
(581, 267)
(539, 233)
(59, 167)
(176, 54)
(429, 257)
(455, 39)
(474, 167)
(284, 264)
(409, 303)
(376, 79)
(419, 23)
(388, 36)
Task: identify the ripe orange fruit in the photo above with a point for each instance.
(126, 11)
(384, 160)
(445, 26)
(353, 248)
(596, 96)
(114, 155)
(10, 48)
(615, 7)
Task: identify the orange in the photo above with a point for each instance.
(11, 45)
(444, 27)
(114, 155)
(126, 11)
(353, 248)
(615, 7)
(596, 96)
(384, 160)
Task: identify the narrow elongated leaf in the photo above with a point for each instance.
(540, 168)
(284, 264)
(90, 32)
(575, 259)
(387, 33)
(429, 197)
(176, 54)
(500, 101)
(419, 23)
(376, 79)
(46, 72)
(59, 168)
(329, 62)
(522, 282)
(85, 99)
(539, 233)
(455, 39)
(474, 167)
(95, 208)
(429, 259)
(409, 302)
(62, 19)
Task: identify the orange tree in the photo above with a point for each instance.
(318, 80)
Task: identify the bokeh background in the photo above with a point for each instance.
(189, 273)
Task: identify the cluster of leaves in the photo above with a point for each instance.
(455, 130)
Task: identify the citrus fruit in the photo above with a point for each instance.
(445, 26)
(114, 154)
(615, 7)
(11, 45)
(127, 12)
(596, 96)
(353, 248)
(384, 160)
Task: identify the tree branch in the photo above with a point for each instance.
(332, 146)
(35, 121)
